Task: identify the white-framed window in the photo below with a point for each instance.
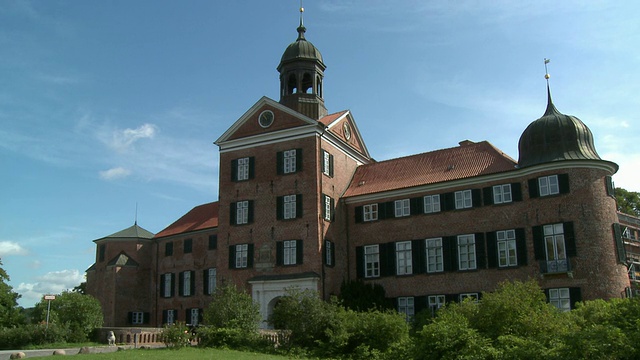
(463, 199)
(289, 206)
(327, 163)
(171, 316)
(502, 194)
(167, 279)
(243, 169)
(472, 296)
(328, 209)
(548, 185)
(289, 255)
(137, 317)
(507, 253)
(370, 212)
(435, 258)
(406, 306)
(328, 251)
(466, 252)
(194, 315)
(289, 157)
(242, 252)
(404, 264)
(242, 212)
(186, 285)
(555, 250)
(212, 276)
(431, 204)
(435, 302)
(560, 298)
(372, 261)
(402, 207)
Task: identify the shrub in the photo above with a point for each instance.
(231, 338)
(176, 335)
(233, 309)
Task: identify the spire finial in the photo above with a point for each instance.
(546, 72)
(301, 28)
(551, 109)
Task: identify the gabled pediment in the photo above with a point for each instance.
(122, 260)
(250, 124)
(343, 126)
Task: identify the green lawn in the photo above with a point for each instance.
(182, 354)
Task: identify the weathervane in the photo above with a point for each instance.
(546, 72)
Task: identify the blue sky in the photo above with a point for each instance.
(109, 104)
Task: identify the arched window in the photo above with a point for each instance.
(292, 84)
(319, 86)
(307, 83)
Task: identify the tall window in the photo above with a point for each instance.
(171, 316)
(431, 204)
(507, 253)
(168, 249)
(560, 298)
(406, 306)
(370, 212)
(186, 284)
(548, 185)
(435, 259)
(402, 207)
(101, 251)
(328, 207)
(327, 163)
(372, 261)
(242, 212)
(466, 252)
(211, 280)
(435, 302)
(242, 252)
(187, 246)
(555, 248)
(403, 258)
(194, 315)
(243, 169)
(290, 206)
(463, 199)
(289, 257)
(213, 242)
(289, 161)
(168, 285)
(328, 253)
(502, 194)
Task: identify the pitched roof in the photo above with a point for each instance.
(132, 232)
(199, 218)
(327, 120)
(467, 160)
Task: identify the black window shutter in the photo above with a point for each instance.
(299, 252)
(570, 239)
(252, 167)
(181, 283)
(200, 315)
(390, 210)
(193, 283)
(299, 160)
(359, 214)
(538, 243)
(382, 211)
(205, 281)
(250, 212)
(492, 250)
(575, 295)
(546, 294)
(534, 191)
(609, 184)
(480, 251)
(360, 262)
(333, 254)
(280, 207)
(417, 205)
(476, 197)
(620, 250)
(164, 316)
(173, 284)
(418, 253)
(298, 205)
(232, 213)
(162, 285)
(330, 165)
(516, 192)
(521, 246)
(232, 257)
(213, 242)
(450, 253)
(449, 201)
(279, 253)
(250, 256)
(388, 259)
(234, 170)
(187, 316)
(487, 194)
(280, 162)
(146, 317)
(130, 317)
(563, 183)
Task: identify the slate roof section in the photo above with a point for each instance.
(132, 232)
(465, 161)
(199, 218)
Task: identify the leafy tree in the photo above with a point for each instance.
(360, 296)
(232, 309)
(10, 314)
(80, 313)
(628, 201)
(82, 288)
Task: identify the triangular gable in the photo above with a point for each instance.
(247, 125)
(343, 126)
(122, 260)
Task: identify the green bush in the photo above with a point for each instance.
(176, 335)
(230, 338)
(233, 309)
(33, 334)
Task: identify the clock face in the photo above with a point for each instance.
(347, 131)
(266, 118)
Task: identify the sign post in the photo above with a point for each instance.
(49, 298)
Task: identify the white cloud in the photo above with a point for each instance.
(122, 140)
(115, 173)
(54, 282)
(11, 248)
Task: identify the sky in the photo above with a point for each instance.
(109, 109)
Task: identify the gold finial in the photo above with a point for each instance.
(546, 75)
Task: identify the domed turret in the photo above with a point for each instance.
(555, 137)
(301, 72)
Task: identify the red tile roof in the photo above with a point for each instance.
(467, 160)
(200, 217)
(327, 120)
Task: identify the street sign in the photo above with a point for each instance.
(49, 297)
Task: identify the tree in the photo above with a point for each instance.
(358, 296)
(232, 309)
(628, 201)
(81, 313)
(82, 288)
(10, 314)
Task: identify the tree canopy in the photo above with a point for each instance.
(628, 201)
(10, 314)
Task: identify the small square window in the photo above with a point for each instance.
(502, 194)
(431, 204)
(402, 208)
(188, 246)
(463, 199)
(370, 212)
(548, 185)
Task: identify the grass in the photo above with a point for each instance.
(182, 354)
